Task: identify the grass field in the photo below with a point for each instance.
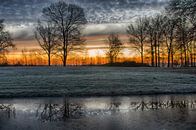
(94, 81)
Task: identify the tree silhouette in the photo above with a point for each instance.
(170, 35)
(155, 29)
(46, 36)
(184, 38)
(69, 19)
(138, 35)
(185, 10)
(5, 39)
(158, 25)
(150, 38)
(115, 46)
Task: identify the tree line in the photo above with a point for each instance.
(169, 35)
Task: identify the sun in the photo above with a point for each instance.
(95, 52)
(92, 53)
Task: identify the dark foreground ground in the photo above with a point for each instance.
(94, 81)
(169, 112)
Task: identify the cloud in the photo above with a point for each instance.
(99, 29)
(115, 11)
(104, 16)
(21, 31)
(97, 11)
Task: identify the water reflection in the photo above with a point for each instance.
(155, 105)
(59, 112)
(160, 109)
(8, 110)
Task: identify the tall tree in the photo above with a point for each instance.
(186, 11)
(115, 46)
(150, 38)
(46, 37)
(69, 19)
(158, 26)
(184, 37)
(170, 35)
(137, 34)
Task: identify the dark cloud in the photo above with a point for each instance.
(97, 10)
(22, 12)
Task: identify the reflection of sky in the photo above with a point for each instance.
(104, 15)
(101, 113)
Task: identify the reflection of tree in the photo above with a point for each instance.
(142, 105)
(156, 105)
(114, 106)
(59, 112)
(8, 109)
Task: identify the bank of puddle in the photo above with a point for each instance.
(134, 112)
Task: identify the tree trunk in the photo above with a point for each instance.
(191, 56)
(66, 42)
(172, 58)
(49, 59)
(156, 61)
(142, 54)
(152, 54)
(159, 58)
(168, 58)
(65, 59)
(181, 56)
(185, 56)
(111, 60)
(64, 55)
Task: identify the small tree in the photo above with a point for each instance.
(46, 37)
(69, 19)
(5, 38)
(115, 46)
(5, 42)
(137, 33)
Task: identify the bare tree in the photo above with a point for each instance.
(137, 33)
(5, 39)
(184, 37)
(115, 46)
(46, 37)
(185, 10)
(154, 32)
(150, 38)
(170, 35)
(69, 19)
(159, 37)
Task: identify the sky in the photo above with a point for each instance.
(104, 16)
